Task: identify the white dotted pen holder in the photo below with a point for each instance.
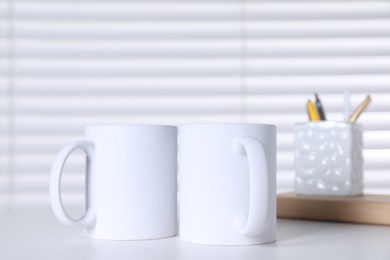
(328, 158)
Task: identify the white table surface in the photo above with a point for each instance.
(35, 234)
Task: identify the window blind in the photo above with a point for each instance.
(68, 64)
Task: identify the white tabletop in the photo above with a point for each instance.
(36, 234)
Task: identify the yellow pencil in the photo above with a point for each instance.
(358, 111)
(312, 111)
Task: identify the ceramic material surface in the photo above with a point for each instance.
(131, 182)
(328, 158)
(227, 191)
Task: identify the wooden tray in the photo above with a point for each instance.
(367, 209)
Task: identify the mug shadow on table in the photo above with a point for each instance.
(296, 232)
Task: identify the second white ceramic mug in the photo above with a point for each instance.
(131, 182)
(227, 184)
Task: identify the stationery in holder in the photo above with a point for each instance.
(329, 154)
(328, 158)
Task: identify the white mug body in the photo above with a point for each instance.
(220, 184)
(131, 182)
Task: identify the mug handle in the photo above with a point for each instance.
(55, 184)
(254, 223)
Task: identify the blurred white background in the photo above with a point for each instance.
(67, 64)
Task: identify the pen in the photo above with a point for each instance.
(312, 111)
(320, 108)
(358, 111)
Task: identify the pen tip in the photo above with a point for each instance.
(316, 95)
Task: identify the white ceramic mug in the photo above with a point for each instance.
(227, 190)
(131, 182)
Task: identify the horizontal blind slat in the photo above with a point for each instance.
(210, 85)
(133, 67)
(331, 103)
(69, 124)
(200, 29)
(198, 10)
(211, 67)
(119, 86)
(318, 83)
(43, 106)
(184, 48)
(127, 105)
(125, 11)
(45, 144)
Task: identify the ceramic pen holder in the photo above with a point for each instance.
(328, 158)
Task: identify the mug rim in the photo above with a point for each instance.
(225, 124)
(129, 125)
